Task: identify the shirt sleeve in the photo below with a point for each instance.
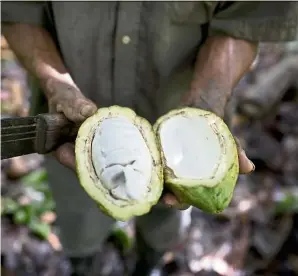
(258, 21)
(29, 12)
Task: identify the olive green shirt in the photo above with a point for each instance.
(141, 54)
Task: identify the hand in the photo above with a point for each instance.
(214, 80)
(65, 97)
(245, 167)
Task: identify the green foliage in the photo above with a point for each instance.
(39, 228)
(37, 189)
(289, 204)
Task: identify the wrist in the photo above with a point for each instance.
(47, 70)
(211, 100)
(221, 63)
(49, 79)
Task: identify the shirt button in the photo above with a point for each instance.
(125, 39)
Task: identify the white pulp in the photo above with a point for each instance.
(121, 159)
(191, 147)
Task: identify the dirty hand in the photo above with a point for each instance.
(214, 80)
(65, 97)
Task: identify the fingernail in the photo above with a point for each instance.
(168, 203)
(253, 166)
(87, 111)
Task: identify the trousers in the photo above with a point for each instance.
(83, 227)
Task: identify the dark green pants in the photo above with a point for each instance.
(83, 227)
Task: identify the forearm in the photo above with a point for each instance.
(37, 52)
(221, 63)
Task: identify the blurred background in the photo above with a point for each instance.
(256, 235)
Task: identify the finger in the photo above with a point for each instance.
(68, 99)
(171, 201)
(246, 166)
(65, 154)
(84, 107)
(78, 109)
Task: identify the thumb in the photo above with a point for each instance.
(88, 110)
(245, 165)
(171, 201)
(78, 109)
(68, 99)
(65, 154)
